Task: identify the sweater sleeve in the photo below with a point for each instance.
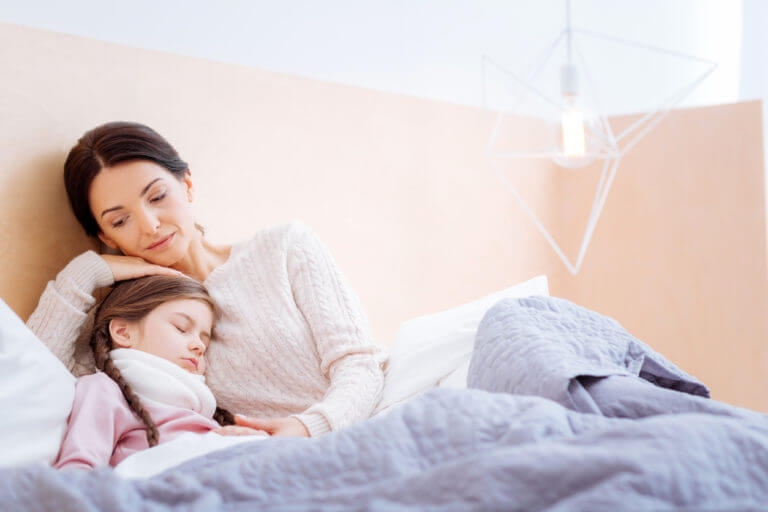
(98, 419)
(63, 306)
(349, 357)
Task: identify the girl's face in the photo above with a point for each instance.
(177, 330)
(140, 203)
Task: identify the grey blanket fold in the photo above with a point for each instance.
(466, 449)
(538, 345)
(447, 450)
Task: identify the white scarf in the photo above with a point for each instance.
(160, 382)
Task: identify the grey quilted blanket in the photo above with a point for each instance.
(473, 449)
(538, 345)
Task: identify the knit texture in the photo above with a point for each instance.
(291, 338)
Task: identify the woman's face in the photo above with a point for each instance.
(140, 203)
(178, 330)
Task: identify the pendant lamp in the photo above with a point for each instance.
(569, 127)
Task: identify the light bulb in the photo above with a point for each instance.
(572, 128)
(575, 144)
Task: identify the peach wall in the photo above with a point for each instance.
(400, 191)
(395, 186)
(679, 254)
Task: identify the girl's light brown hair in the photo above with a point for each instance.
(132, 300)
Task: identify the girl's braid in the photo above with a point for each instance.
(100, 345)
(223, 417)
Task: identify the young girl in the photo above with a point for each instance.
(149, 340)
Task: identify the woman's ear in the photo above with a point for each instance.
(107, 241)
(190, 189)
(121, 333)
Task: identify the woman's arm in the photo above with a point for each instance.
(98, 418)
(349, 356)
(63, 307)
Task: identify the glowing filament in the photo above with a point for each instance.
(573, 133)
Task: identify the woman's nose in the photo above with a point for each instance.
(149, 222)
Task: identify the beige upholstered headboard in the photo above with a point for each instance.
(400, 191)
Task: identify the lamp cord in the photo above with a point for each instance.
(568, 27)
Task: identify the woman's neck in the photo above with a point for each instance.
(202, 257)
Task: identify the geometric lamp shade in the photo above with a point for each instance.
(567, 109)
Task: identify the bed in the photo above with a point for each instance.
(466, 422)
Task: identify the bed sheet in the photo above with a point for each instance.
(182, 448)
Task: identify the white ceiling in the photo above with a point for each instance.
(426, 48)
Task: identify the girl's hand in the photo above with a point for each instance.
(130, 267)
(237, 430)
(276, 427)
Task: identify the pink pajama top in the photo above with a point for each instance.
(102, 428)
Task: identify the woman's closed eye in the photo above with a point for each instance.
(153, 200)
(180, 329)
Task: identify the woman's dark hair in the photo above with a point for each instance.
(132, 300)
(105, 146)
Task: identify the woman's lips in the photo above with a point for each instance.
(163, 243)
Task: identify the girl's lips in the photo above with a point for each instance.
(192, 361)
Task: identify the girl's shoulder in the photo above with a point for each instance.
(98, 382)
(97, 395)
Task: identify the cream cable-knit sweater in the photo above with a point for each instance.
(292, 338)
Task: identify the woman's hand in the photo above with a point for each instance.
(276, 427)
(130, 267)
(237, 430)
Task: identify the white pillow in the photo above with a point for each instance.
(436, 349)
(36, 395)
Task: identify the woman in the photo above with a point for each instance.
(292, 349)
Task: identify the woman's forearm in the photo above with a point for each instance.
(63, 307)
(357, 382)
